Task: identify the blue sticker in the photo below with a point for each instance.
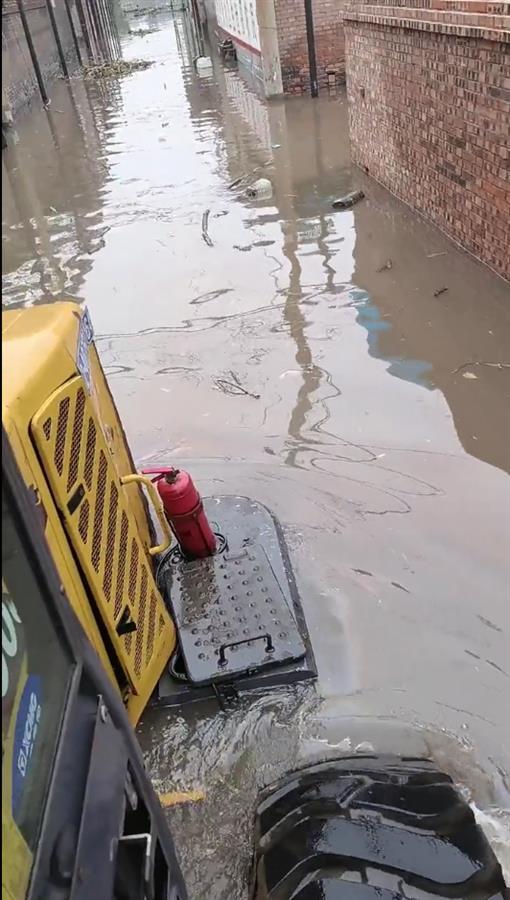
(25, 733)
(85, 338)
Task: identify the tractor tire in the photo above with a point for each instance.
(371, 828)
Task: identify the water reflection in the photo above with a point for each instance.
(53, 178)
(88, 166)
(397, 268)
(432, 338)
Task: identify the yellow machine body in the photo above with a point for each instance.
(70, 446)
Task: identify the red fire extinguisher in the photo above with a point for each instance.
(185, 512)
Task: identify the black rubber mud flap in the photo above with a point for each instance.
(371, 829)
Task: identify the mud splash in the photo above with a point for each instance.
(231, 756)
(496, 825)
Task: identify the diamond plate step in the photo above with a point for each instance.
(232, 616)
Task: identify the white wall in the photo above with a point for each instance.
(239, 18)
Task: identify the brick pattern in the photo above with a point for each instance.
(10, 7)
(485, 7)
(447, 21)
(430, 119)
(292, 40)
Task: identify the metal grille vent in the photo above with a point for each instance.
(77, 462)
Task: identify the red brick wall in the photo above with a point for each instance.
(429, 100)
(329, 43)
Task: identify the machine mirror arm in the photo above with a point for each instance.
(154, 496)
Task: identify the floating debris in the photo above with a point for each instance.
(142, 11)
(203, 62)
(141, 32)
(117, 68)
(262, 187)
(175, 798)
(234, 387)
(246, 175)
(387, 265)
(205, 233)
(481, 362)
(348, 200)
(236, 182)
(440, 291)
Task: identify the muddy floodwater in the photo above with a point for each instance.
(374, 361)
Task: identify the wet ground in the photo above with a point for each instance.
(378, 356)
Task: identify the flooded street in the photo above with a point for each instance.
(374, 358)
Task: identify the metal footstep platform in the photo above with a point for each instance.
(238, 615)
(232, 616)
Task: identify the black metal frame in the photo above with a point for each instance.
(56, 35)
(98, 755)
(73, 32)
(310, 40)
(32, 52)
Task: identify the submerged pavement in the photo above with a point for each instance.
(373, 415)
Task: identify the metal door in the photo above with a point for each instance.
(95, 509)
